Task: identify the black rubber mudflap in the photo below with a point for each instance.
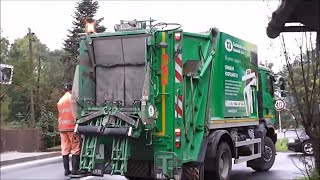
(139, 169)
(192, 171)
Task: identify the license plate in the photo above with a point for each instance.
(99, 169)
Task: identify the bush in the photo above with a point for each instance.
(281, 145)
(46, 122)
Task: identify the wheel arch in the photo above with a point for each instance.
(215, 138)
(268, 125)
(210, 145)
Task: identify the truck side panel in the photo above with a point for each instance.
(235, 77)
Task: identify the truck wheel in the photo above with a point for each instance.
(194, 171)
(307, 148)
(268, 157)
(223, 162)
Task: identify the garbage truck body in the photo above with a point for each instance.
(168, 104)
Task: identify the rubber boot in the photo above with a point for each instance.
(75, 166)
(66, 165)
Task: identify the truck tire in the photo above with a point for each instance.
(268, 157)
(223, 159)
(193, 172)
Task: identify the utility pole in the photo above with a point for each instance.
(32, 118)
(38, 84)
(280, 125)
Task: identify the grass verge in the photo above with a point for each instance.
(313, 176)
(281, 145)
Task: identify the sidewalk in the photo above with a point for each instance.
(9, 158)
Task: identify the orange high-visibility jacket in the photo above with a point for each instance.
(66, 120)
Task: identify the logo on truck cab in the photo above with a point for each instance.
(232, 46)
(228, 45)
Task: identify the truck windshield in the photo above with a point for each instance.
(269, 84)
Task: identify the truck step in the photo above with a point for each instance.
(247, 158)
(251, 144)
(244, 143)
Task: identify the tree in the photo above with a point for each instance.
(47, 93)
(303, 76)
(85, 9)
(4, 51)
(19, 58)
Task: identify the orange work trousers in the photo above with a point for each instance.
(70, 143)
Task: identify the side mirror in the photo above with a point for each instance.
(282, 83)
(6, 73)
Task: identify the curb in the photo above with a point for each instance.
(30, 164)
(26, 159)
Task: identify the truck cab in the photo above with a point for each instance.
(266, 93)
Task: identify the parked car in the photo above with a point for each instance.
(302, 143)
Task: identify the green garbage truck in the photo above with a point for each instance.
(156, 102)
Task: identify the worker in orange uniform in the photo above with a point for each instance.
(70, 142)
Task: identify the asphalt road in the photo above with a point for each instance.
(283, 168)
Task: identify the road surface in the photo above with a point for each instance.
(282, 169)
(289, 134)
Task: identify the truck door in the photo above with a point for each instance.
(268, 94)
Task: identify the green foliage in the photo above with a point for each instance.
(47, 82)
(4, 50)
(281, 145)
(46, 124)
(4, 100)
(304, 83)
(19, 90)
(303, 74)
(4, 108)
(310, 175)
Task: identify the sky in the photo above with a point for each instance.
(49, 20)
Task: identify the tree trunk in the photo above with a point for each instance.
(316, 151)
(316, 144)
(318, 44)
(314, 135)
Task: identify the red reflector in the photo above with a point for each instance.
(177, 132)
(177, 144)
(177, 36)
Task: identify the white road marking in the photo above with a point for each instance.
(31, 163)
(88, 177)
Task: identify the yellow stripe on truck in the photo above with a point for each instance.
(164, 80)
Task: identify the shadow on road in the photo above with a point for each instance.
(286, 166)
(245, 175)
(295, 155)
